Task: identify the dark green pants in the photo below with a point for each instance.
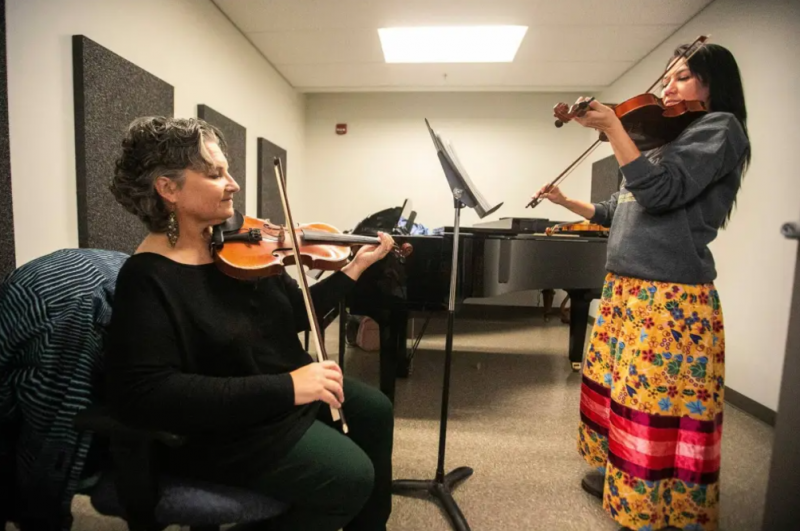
(334, 481)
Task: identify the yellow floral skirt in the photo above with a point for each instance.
(651, 403)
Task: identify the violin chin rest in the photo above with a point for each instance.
(233, 223)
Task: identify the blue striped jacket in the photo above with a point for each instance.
(53, 314)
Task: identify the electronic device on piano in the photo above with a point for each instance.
(499, 257)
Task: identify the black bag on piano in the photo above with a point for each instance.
(387, 220)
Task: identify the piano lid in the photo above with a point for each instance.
(503, 226)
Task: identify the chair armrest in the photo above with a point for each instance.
(100, 420)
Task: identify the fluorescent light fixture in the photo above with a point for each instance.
(451, 44)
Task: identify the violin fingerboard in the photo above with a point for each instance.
(331, 238)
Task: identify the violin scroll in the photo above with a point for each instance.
(566, 113)
(403, 251)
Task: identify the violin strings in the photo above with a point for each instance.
(322, 236)
(311, 235)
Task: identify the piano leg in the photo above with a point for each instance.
(393, 357)
(548, 295)
(580, 299)
(400, 331)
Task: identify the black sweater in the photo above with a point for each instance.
(195, 352)
(673, 201)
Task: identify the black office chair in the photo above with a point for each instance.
(53, 312)
(129, 484)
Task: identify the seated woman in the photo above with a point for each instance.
(196, 352)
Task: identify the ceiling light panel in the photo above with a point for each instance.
(451, 44)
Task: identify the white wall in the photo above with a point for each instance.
(506, 141)
(187, 43)
(755, 263)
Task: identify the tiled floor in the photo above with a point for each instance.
(513, 418)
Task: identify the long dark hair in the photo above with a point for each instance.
(716, 67)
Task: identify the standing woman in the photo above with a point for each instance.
(653, 377)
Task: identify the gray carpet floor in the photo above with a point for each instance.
(513, 419)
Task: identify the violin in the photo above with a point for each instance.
(646, 119)
(245, 247)
(581, 228)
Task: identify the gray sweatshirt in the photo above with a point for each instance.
(672, 202)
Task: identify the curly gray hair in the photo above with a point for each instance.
(157, 146)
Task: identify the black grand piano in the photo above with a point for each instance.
(494, 261)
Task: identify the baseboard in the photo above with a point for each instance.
(748, 405)
(500, 312)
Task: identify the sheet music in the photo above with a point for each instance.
(451, 151)
(457, 176)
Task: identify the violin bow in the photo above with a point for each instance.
(563, 175)
(322, 354)
(687, 54)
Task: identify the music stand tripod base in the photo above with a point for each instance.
(442, 486)
(441, 490)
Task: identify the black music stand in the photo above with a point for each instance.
(464, 194)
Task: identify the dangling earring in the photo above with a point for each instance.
(172, 229)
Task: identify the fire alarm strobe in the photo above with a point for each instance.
(341, 129)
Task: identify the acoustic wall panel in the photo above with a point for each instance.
(606, 179)
(236, 137)
(110, 92)
(269, 201)
(7, 251)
